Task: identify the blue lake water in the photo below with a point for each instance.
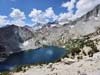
(35, 56)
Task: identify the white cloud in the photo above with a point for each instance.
(35, 13)
(3, 20)
(18, 22)
(37, 16)
(18, 17)
(42, 17)
(83, 6)
(63, 17)
(17, 14)
(49, 13)
(69, 5)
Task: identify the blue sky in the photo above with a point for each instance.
(22, 12)
(28, 5)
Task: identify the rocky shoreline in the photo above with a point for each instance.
(86, 66)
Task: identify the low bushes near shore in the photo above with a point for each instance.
(79, 47)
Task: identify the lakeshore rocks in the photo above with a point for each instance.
(68, 60)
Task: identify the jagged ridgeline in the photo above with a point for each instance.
(88, 22)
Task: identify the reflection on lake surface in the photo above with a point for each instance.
(35, 56)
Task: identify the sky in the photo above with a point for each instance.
(30, 12)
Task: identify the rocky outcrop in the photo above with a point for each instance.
(88, 22)
(11, 37)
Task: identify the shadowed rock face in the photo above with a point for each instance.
(12, 36)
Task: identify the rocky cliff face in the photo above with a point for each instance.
(11, 37)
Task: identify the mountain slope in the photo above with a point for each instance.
(88, 22)
(11, 37)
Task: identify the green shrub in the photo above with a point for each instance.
(74, 46)
(5, 73)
